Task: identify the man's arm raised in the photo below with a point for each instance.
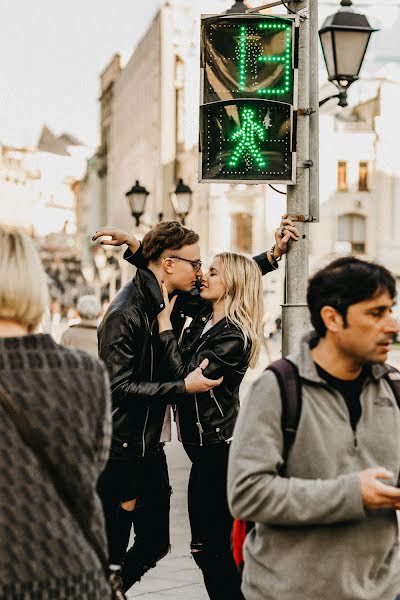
(117, 237)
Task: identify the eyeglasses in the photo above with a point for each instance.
(196, 264)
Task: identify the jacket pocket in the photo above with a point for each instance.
(122, 447)
(225, 431)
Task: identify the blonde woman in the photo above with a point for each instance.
(64, 394)
(227, 332)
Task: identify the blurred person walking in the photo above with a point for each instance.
(63, 396)
(83, 335)
(324, 500)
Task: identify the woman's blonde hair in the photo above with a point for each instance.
(23, 285)
(244, 298)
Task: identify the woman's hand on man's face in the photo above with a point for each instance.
(164, 317)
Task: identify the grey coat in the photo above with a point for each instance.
(313, 538)
(65, 395)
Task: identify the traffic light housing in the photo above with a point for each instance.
(248, 98)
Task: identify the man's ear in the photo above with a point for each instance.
(332, 319)
(167, 265)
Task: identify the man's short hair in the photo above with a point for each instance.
(88, 307)
(169, 235)
(344, 282)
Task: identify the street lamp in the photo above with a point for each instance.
(137, 198)
(238, 8)
(182, 200)
(344, 39)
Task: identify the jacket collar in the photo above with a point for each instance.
(150, 288)
(221, 325)
(306, 365)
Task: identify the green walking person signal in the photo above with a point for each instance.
(248, 138)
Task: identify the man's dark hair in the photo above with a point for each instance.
(344, 282)
(168, 235)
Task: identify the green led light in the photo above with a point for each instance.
(242, 58)
(248, 137)
(244, 48)
(285, 59)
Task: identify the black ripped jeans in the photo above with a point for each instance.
(150, 518)
(211, 521)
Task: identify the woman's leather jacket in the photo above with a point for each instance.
(208, 417)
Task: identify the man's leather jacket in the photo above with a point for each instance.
(129, 346)
(208, 417)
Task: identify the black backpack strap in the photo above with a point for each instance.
(393, 379)
(288, 378)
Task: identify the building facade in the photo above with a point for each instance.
(37, 184)
(360, 177)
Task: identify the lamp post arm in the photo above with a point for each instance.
(342, 97)
(269, 5)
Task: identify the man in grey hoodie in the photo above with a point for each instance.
(327, 528)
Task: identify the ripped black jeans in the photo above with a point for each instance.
(150, 518)
(211, 521)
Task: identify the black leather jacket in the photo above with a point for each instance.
(209, 417)
(205, 418)
(129, 346)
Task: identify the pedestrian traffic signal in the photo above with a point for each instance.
(248, 98)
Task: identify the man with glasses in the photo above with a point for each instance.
(135, 487)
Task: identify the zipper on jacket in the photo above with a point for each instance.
(217, 403)
(151, 379)
(198, 423)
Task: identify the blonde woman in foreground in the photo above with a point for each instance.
(226, 332)
(64, 394)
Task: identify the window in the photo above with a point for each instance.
(352, 229)
(363, 176)
(342, 176)
(242, 234)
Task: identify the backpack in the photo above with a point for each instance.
(289, 383)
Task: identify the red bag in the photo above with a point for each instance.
(239, 532)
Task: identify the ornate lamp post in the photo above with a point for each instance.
(238, 8)
(344, 39)
(182, 200)
(137, 199)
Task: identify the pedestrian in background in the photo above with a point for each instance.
(64, 395)
(325, 507)
(83, 335)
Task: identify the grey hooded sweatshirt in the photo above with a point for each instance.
(313, 538)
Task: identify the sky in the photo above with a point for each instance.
(51, 55)
(53, 51)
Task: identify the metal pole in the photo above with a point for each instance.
(295, 319)
(314, 117)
